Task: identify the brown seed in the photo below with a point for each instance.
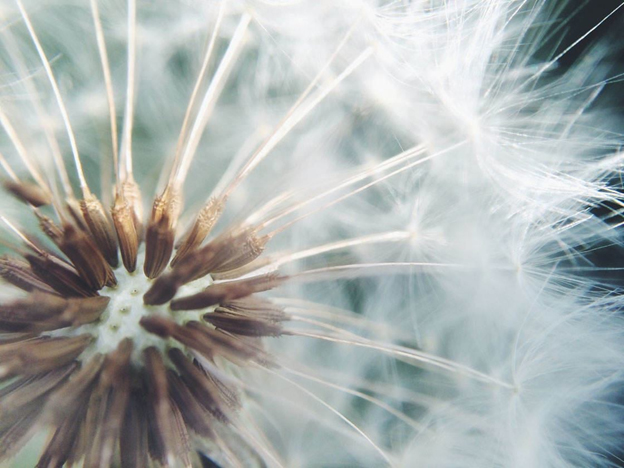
(163, 290)
(204, 390)
(158, 241)
(225, 292)
(205, 221)
(132, 194)
(28, 193)
(40, 311)
(234, 273)
(246, 326)
(169, 441)
(161, 232)
(133, 439)
(101, 228)
(73, 208)
(124, 220)
(27, 389)
(19, 274)
(255, 307)
(204, 340)
(59, 275)
(17, 429)
(239, 349)
(194, 414)
(40, 354)
(50, 228)
(62, 446)
(107, 407)
(77, 388)
(86, 258)
(231, 250)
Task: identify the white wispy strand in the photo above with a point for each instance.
(479, 250)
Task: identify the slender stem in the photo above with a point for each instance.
(44, 121)
(295, 115)
(418, 356)
(125, 169)
(21, 150)
(397, 414)
(335, 411)
(59, 99)
(194, 94)
(358, 190)
(392, 162)
(212, 93)
(108, 83)
(7, 168)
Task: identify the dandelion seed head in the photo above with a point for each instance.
(376, 240)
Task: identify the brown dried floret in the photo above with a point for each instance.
(39, 355)
(41, 312)
(20, 274)
(205, 221)
(101, 228)
(59, 275)
(28, 193)
(86, 258)
(81, 251)
(125, 224)
(169, 440)
(160, 234)
(226, 292)
(26, 389)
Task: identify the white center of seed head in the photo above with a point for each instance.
(121, 318)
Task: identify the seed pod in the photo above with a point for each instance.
(28, 193)
(101, 228)
(86, 258)
(160, 233)
(125, 226)
(169, 441)
(205, 221)
(20, 274)
(59, 275)
(225, 292)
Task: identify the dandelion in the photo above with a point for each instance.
(302, 233)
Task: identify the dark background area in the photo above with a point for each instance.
(581, 17)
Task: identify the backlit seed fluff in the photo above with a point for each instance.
(309, 233)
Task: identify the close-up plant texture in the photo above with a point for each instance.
(311, 233)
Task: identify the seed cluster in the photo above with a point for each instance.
(109, 407)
